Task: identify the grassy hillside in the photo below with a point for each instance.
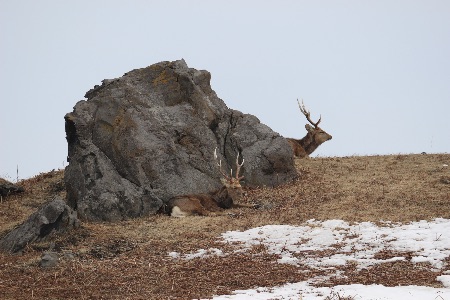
(130, 259)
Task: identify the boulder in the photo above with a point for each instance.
(147, 136)
(54, 216)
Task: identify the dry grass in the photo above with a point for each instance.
(16, 208)
(129, 259)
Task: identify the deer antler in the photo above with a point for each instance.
(307, 114)
(238, 168)
(219, 164)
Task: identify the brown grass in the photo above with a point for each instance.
(129, 259)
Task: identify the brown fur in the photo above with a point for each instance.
(307, 145)
(207, 204)
(313, 139)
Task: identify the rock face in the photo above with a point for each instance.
(53, 216)
(150, 135)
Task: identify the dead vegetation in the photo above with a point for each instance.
(129, 259)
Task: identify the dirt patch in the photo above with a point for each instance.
(130, 259)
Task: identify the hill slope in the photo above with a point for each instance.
(130, 259)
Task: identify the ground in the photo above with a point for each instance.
(130, 259)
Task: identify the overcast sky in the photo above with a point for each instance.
(377, 71)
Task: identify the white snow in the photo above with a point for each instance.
(204, 252)
(357, 291)
(445, 280)
(427, 241)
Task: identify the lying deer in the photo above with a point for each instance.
(215, 203)
(313, 139)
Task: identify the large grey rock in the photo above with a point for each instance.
(54, 216)
(150, 135)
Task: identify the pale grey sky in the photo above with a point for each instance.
(377, 71)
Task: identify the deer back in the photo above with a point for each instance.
(187, 205)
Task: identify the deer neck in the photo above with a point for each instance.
(311, 147)
(222, 198)
(306, 141)
(309, 143)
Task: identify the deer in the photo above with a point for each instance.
(313, 139)
(213, 204)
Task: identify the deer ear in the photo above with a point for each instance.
(309, 128)
(225, 182)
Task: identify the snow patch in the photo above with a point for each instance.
(428, 242)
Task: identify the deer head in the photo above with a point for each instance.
(313, 139)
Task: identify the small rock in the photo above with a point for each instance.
(69, 256)
(445, 180)
(7, 188)
(49, 259)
